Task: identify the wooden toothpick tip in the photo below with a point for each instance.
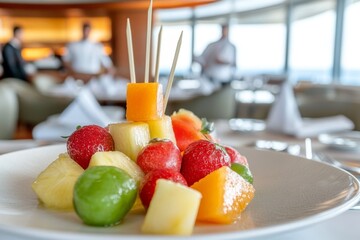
(158, 55)
(148, 39)
(172, 72)
(130, 52)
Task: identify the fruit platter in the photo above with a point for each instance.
(162, 176)
(170, 169)
(291, 192)
(150, 166)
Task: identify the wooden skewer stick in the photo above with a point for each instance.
(130, 52)
(158, 55)
(172, 72)
(148, 37)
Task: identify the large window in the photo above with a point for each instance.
(351, 45)
(205, 33)
(170, 36)
(259, 31)
(312, 42)
(260, 47)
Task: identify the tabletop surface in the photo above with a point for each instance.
(339, 227)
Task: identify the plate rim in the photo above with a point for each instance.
(31, 232)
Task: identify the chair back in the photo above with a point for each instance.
(8, 112)
(220, 104)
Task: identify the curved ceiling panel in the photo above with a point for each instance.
(59, 1)
(102, 3)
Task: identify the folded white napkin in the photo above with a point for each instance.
(84, 110)
(70, 88)
(108, 83)
(284, 117)
(314, 126)
(106, 86)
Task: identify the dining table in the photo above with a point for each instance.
(341, 226)
(111, 90)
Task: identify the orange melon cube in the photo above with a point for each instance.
(225, 195)
(144, 102)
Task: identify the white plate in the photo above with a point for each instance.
(291, 192)
(342, 141)
(15, 145)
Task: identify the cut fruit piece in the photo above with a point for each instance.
(137, 207)
(162, 128)
(130, 137)
(159, 154)
(172, 210)
(147, 187)
(144, 102)
(225, 195)
(120, 160)
(103, 195)
(54, 186)
(188, 128)
(189, 117)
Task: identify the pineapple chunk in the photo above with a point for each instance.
(172, 210)
(162, 128)
(54, 186)
(120, 160)
(130, 137)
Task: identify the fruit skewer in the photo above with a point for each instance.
(154, 99)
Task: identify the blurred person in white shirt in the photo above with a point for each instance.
(86, 56)
(218, 61)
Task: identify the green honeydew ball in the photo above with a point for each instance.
(103, 195)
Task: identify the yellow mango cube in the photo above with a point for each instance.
(162, 128)
(144, 102)
(225, 195)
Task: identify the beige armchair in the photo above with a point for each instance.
(8, 112)
(220, 104)
(34, 107)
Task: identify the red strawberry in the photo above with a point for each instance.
(159, 154)
(148, 184)
(235, 156)
(201, 158)
(86, 141)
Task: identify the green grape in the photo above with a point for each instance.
(103, 195)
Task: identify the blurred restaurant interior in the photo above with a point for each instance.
(313, 45)
(278, 80)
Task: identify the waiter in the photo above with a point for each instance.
(85, 56)
(218, 61)
(13, 63)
